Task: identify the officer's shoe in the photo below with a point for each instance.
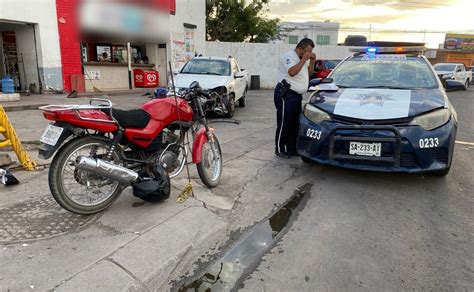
(293, 153)
(282, 155)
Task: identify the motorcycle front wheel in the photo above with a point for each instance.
(76, 190)
(210, 167)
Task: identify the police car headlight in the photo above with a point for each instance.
(314, 114)
(432, 120)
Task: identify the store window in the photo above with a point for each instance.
(113, 53)
(322, 40)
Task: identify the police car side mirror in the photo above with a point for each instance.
(327, 80)
(454, 85)
(315, 82)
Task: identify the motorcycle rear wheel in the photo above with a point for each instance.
(210, 169)
(63, 168)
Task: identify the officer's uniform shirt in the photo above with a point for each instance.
(300, 81)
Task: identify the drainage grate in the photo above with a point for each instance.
(37, 219)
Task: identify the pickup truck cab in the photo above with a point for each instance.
(218, 74)
(453, 71)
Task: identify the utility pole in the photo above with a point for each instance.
(129, 61)
(370, 32)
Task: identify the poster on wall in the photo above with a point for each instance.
(462, 42)
(92, 75)
(189, 44)
(178, 51)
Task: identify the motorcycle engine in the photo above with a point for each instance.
(168, 158)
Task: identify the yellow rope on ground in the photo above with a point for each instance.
(11, 139)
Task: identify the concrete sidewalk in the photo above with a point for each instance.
(136, 245)
(34, 101)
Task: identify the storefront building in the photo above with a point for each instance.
(104, 43)
(29, 45)
(457, 48)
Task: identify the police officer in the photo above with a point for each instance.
(294, 70)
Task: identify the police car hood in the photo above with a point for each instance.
(379, 104)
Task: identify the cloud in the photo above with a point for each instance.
(420, 14)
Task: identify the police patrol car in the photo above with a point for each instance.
(382, 109)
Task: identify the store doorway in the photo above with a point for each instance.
(18, 56)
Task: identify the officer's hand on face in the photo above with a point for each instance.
(306, 56)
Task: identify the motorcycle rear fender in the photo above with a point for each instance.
(199, 140)
(47, 151)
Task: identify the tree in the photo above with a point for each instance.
(237, 21)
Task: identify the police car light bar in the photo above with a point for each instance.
(393, 50)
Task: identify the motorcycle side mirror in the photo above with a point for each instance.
(194, 85)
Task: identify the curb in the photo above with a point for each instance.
(147, 261)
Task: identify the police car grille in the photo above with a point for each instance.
(440, 154)
(406, 159)
(353, 121)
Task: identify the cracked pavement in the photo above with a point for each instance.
(358, 231)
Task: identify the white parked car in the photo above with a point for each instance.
(216, 74)
(453, 71)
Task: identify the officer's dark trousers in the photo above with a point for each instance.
(288, 113)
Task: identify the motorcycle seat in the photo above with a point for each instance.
(135, 118)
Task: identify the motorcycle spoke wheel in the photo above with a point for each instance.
(210, 167)
(82, 187)
(79, 191)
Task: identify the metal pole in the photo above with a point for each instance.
(129, 60)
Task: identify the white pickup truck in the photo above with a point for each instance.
(213, 73)
(453, 71)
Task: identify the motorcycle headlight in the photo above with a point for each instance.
(449, 75)
(314, 114)
(432, 120)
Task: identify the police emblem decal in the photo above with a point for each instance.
(374, 98)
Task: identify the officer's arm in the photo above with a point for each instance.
(296, 68)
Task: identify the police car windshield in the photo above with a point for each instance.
(207, 67)
(389, 71)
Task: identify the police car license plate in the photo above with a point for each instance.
(365, 149)
(51, 135)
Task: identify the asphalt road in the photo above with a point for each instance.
(357, 231)
(374, 231)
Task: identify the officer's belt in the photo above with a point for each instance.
(289, 90)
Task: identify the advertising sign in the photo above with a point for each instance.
(462, 42)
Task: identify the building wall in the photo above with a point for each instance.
(190, 12)
(42, 13)
(311, 30)
(262, 59)
(467, 58)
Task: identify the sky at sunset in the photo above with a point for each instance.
(390, 20)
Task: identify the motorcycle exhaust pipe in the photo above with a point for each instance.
(106, 169)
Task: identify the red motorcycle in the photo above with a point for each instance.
(102, 150)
